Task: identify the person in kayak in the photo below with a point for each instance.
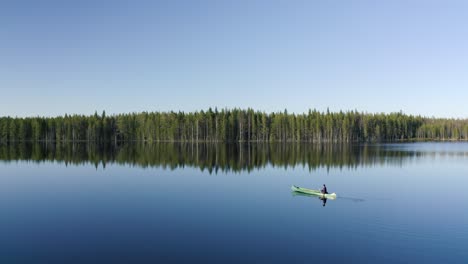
(324, 189)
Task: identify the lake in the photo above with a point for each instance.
(231, 203)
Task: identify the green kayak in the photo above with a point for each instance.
(313, 192)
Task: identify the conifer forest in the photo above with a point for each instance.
(232, 125)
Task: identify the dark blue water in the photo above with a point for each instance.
(410, 207)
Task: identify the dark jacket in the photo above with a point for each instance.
(324, 190)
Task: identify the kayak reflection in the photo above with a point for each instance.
(323, 199)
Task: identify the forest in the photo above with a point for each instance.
(232, 125)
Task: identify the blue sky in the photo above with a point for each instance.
(61, 57)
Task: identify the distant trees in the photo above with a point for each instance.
(234, 125)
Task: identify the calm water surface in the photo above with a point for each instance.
(169, 203)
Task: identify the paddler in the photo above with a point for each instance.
(324, 189)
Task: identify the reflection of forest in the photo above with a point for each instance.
(215, 157)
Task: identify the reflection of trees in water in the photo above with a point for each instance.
(217, 157)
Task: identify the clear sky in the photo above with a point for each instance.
(61, 57)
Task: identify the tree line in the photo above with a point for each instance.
(232, 125)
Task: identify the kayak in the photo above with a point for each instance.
(313, 192)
